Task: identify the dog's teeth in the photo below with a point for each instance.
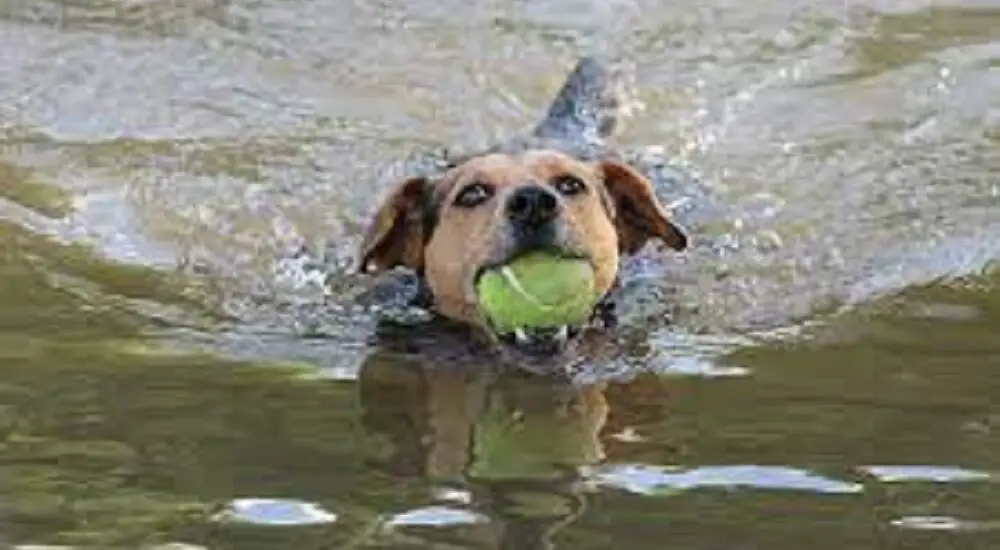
(563, 334)
(520, 336)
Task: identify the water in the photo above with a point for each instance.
(187, 361)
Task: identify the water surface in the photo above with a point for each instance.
(187, 361)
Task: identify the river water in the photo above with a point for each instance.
(187, 359)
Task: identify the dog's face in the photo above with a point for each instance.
(490, 209)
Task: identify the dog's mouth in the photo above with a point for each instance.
(541, 340)
(532, 340)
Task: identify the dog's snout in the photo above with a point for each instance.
(532, 206)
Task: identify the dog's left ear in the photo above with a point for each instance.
(395, 234)
(638, 214)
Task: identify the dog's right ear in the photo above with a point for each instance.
(396, 233)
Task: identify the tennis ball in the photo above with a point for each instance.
(538, 290)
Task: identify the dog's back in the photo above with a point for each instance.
(586, 107)
(583, 114)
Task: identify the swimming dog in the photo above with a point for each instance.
(559, 188)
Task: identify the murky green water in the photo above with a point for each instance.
(172, 373)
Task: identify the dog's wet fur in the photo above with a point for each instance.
(560, 189)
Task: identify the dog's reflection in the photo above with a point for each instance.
(519, 441)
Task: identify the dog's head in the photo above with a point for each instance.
(492, 208)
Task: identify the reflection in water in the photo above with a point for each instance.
(521, 441)
(265, 511)
(940, 474)
(646, 480)
(944, 523)
(436, 516)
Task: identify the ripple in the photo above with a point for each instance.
(679, 354)
(266, 511)
(437, 516)
(892, 474)
(447, 494)
(944, 523)
(661, 480)
(699, 366)
(165, 546)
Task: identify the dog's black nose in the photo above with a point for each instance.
(532, 206)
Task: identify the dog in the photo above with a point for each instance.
(560, 189)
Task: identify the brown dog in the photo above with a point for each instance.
(494, 207)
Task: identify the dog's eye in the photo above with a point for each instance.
(473, 194)
(569, 185)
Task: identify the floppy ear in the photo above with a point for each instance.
(395, 234)
(638, 214)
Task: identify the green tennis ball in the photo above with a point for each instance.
(538, 290)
